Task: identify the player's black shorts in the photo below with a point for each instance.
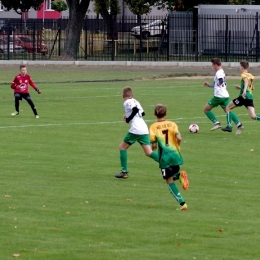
(21, 96)
(240, 101)
(170, 172)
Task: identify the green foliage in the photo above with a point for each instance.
(21, 6)
(139, 7)
(59, 5)
(110, 7)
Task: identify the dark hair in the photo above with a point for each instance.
(22, 66)
(216, 61)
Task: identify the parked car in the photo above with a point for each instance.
(12, 47)
(26, 42)
(153, 29)
(6, 27)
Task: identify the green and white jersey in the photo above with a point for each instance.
(137, 124)
(220, 85)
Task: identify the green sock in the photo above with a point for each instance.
(257, 117)
(154, 156)
(211, 117)
(229, 119)
(175, 192)
(234, 118)
(123, 160)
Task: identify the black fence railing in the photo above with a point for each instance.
(177, 37)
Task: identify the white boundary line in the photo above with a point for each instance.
(191, 120)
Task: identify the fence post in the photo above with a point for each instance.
(195, 33)
(141, 36)
(168, 38)
(8, 46)
(77, 50)
(59, 42)
(34, 41)
(112, 38)
(226, 40)
(257, 37)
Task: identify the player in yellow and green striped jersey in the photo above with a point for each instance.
(245, 97)
(165, 135)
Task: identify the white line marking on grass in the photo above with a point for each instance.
(181, 120)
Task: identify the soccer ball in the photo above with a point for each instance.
(193, 128)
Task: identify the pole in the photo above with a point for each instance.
(43, 12)
(257, 37)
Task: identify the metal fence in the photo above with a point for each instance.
(179, 36)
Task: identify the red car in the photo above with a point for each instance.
(26, 42)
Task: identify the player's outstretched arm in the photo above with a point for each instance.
(206, 84)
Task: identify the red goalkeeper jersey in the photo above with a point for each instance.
(21, 83)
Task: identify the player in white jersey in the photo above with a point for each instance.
(221, 95)
(138, 131)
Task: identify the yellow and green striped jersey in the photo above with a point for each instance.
(250, 77)
(164, 133)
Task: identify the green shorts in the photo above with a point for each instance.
(216, 101)
(141, 139)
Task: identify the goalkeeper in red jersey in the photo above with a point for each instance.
(21, 91)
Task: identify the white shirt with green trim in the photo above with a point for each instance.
(220, 88)
(137, 124)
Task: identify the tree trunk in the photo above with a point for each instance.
(77, 12)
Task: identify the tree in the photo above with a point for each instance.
(77, 13)
(21, 6)
(108, 10)
(139, 7)
(59, 5)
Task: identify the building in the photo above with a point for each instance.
(47, 13)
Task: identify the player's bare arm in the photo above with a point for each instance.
(178, 138)
(237, 87)
(207, 84)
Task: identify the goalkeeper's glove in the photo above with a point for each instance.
(38, 91)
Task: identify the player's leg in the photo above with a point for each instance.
(144, 141)
(30, 102)
(17, 97)
(252, 114)
(251, 110)
(150, 153)
(231, 116)
(123, 160)
(129, 139)
(207, 110)
(168, 176)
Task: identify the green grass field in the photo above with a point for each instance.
(60, 199)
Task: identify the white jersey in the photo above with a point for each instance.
(137, 124)
(220, 85)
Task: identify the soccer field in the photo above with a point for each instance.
(61, 201)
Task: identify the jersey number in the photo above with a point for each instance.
(165, 132)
